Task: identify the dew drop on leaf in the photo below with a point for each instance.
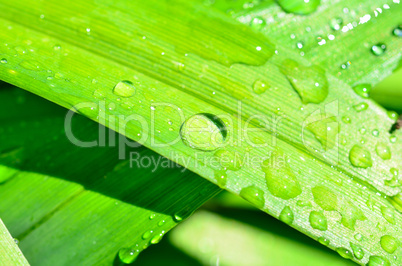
(360, 157)
(397, 31)
(378, 49)
(147, 235)
(363, 90)
(388, 214)
(156, 239)
(124, 88)
(127, 255)
(318, 220)
(257, 23)
(345, 253)
(286, 215)
(300, 7)
(336, 23)
(357, 251)
(325, 130)
(383, 151)
(31, 65)
(378, 261)
(309, 82)
(221, 178)
(358, 237)
(205, 132)
(3, 61)
(260, 86)
(360, 106)
(253, 195)
(324, 241)
(281, 181)
(389, 243)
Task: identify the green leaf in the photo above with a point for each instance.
(84, 205)
(10, 253)
(71, 59)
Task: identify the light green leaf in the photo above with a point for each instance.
(10, 254)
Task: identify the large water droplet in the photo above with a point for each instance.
(358, 237)
(363, 90)
(253, 195)
(360, 157)
(309, 82)
(286, 215)
(378, 261)
(389, 243)
(325, 131)
(147, 234)
(300, 7)
(318, 221)
(3, 61)
(156, 239)
(127, 255)
(378, 49)
(281, 180)
(205, 132)
(124, 88)
(325, 198)
(388, 214)
(345, 253)
(383, 151)
(357, 251)
(260, 86)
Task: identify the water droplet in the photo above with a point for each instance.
(318, 220)
(31, 65)
(299, 45)
(3, 61)
(398, 31)
(392, 139)
(221, 178)
(260, 86)
(156, 239)
(378, 261)
(302, 203)
(228, 160)
(161, 222)
(346, 120)
(300, 7)
(393, 171)
(360, 106)
(309, 82)
(253, 195)
(363, 90)
(325, 131)
(357, 251)
(383, 151)
(281, 180)
(336, 23)
(358, 237)
(388, 214)
(393, 115)
(147, 235)
(378, 49)
(286, 215)
(257, 23)
(124, 88)
(16, 241)
(389, 243)
(205, 132)
(152, 216)
(324, 241)
(345, 253)
(360, 157)
(375, 133)
(325, 198)
(127, 255)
